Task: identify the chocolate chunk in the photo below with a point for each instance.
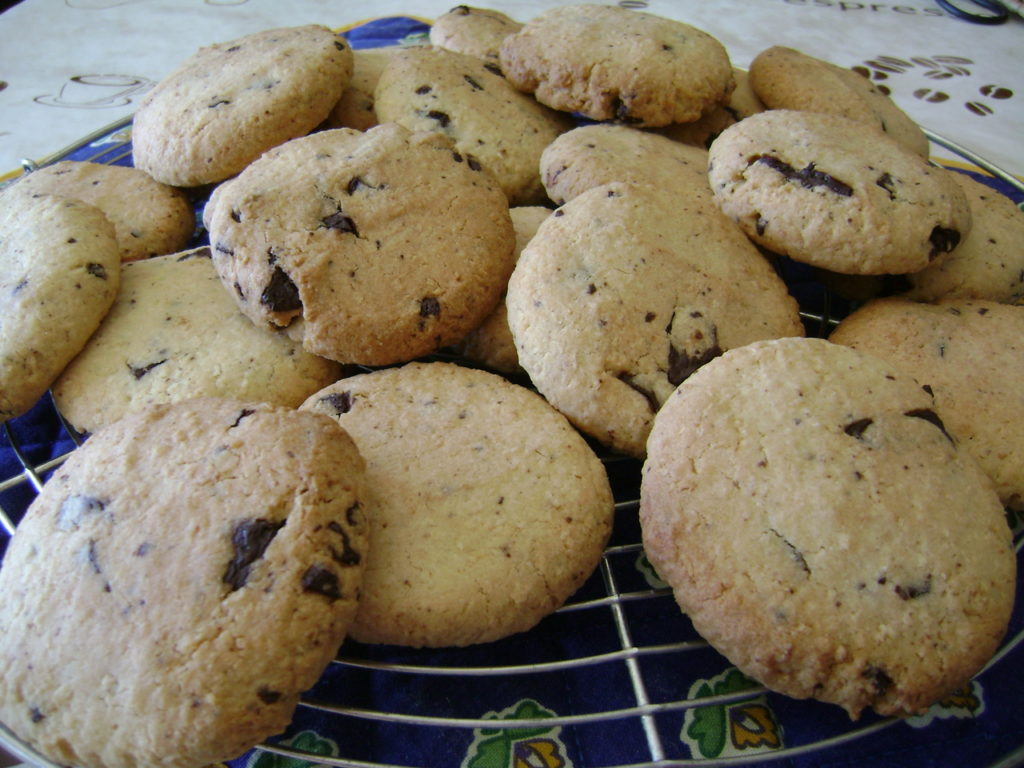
(349, 555)
(441, 117)
(197, 253)
(341, 402)
(856, 428)
(932, 418)
(808, 177)
(430, 307)
(250, 540)
(621, 111)
(423, 89)
(138, 371)
(241, 415)
(341, 222)
(912, 591)
(97, 270)
(321, 581)
(352, 515)
(339, 45)
(353, 184)
(269, 696)
(886, 182)
(494, 69)
(943, 241)
(75, 508)
(236, 215)
(36, 715)
(880, 681)
(281, 294)
(473, 83)
(473, 163)
(221, 248)
(681, 365)
(652, 400)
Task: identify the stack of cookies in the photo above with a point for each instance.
(595, 231)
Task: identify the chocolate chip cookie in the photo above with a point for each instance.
(387, 244)
(836, 193)
(229, 102)
(624, 292)
(489, 509)
(174, 333)
(149, 218)
(609, 63)
(489, 122)
(970, 355)
(178, 582)
(60, 268)
(822, 529)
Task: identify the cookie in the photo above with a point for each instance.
(60, 268)
(229, 102)
(835, 193)
(785, 78)
(743, 102)
(355, 108)
(488, 121)
(970, 355)
(989, 262)
(491, 343)
(823, 531)
(387, 244)
(489, 509)
(178, 582)
(609, 63)
(149, 218)
(473, 31)
(592, 155)
(624, 292)
(174, 333)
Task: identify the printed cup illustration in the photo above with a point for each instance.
(97, 91)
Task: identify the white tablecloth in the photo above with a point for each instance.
(69, 67)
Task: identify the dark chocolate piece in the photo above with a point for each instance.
(250, 540)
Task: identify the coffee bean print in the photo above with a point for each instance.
(933, 97)
(996, 92)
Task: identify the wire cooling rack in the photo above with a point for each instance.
(617, 678)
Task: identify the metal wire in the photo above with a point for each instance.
(612, 604)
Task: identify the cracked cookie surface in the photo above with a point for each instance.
(823, 531)
(387, 244)
(624, 291)
(490, 510)
(178, 582)
(835, 193)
